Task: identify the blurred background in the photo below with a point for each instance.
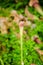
(15, 3)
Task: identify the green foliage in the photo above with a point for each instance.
(11, 53)
(30, 55)
(16, 3)
(13, 3)
(10, 47)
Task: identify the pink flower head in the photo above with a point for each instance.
(32, 64)
(21, 24)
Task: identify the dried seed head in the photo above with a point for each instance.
(21, 16)
(28, 23)
(14, 13)
(35, 36)
(36, 39)
(33, 26)
(33, 2)
(3, 25)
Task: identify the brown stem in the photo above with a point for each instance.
(29, 15)
(39, 51)
(39, 10)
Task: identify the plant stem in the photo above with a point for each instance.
(1, 61)
(21, 41)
